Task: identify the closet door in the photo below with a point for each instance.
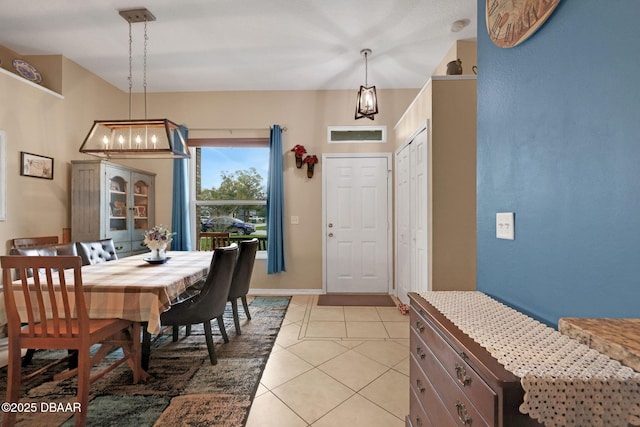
(403, 223)
(420, 256)
(412, 216)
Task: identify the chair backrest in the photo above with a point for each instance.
(97, 252)
(244, 268)
(47, 250)
(208, 241)
(50, 298)
(212, 300)
(28, 242)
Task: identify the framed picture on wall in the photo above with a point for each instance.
(3, 175)
(36, 166)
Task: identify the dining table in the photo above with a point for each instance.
(137, 288)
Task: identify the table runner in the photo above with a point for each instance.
(130, 288)
(565, 382)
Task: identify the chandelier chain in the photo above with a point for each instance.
(144, 68)
(130, 78)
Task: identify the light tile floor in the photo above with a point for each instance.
(336, 366)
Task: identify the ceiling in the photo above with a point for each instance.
(212, 45)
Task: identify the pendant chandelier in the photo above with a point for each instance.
(142, 138)
(367, 102)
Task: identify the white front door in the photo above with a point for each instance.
(356, 223)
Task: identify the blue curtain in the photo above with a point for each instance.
(275, 204)
(180, 209)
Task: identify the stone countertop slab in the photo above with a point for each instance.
(617, 338)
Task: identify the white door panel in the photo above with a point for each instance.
(356, 217)
(412, 217)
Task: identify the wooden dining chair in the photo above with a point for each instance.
(208, 241)
(53, 315)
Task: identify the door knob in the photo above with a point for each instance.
(330, 234)
(330, 225)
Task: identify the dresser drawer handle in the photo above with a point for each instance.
(421, 388)
(461, 373)
(418, 422)
(420, 353)
(419, 326)
(462, 414)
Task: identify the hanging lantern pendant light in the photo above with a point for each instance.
(148, 138)
(367, 101)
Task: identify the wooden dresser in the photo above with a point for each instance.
(454, 381)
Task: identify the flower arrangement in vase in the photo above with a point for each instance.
(157, 239)
(310, 161)
(299, 152)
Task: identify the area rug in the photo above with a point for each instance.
(184, 388)
(380, 300)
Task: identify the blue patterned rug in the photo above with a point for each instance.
(184, 388)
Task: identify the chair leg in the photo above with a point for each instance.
(236, 320)
(176, 331)
(146, 347)
(136, 350)
(223, 330)
(210, 345)
(84, 375)
(246, 306)
(26, 360)
(187, 330)
(13, 380)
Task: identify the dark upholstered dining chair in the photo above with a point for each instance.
(210, 303)
(242, 279)
(67, 326)
(97, 252)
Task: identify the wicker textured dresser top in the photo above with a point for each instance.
(617, 338)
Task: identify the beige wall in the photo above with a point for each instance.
(306, 115)
(38, 122)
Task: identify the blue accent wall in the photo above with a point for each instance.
(559, 145)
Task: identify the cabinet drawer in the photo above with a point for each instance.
(123, 249)
(425, 397)
(453, 398)
(138, 248)
(468, 381)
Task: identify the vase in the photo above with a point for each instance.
(298, 162)
(159, 253)
(310, 167)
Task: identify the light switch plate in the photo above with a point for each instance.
(505, 228)
(295, 220)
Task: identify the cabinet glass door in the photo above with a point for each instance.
(117, 203)
(118, 225)
(141, 205)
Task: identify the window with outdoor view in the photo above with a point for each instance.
(231, 191)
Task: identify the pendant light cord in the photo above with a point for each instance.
(366, 70)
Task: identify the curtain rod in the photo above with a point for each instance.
(284, 129)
